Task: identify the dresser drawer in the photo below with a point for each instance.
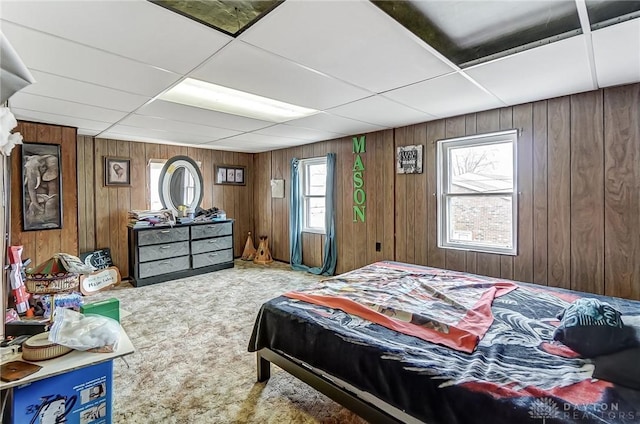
(163, 251)
(211, 230)
(163, 266)
(212, 258)
(209, 245)
(162, 235)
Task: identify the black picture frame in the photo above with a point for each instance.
(42, 189)
(117, 171)
(230, 175)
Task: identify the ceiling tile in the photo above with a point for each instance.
(252, 145)
(617, 62)
(52, 118)
(58, 87)
(39, 103)
(445, 96)
(133, 29)
(212, 133)
(351, 40)
(382, 111)
(337, 124)
(552, 70)
(54, 55)
(152, 135)
(248, 68)
(178, 112)
(290, 131)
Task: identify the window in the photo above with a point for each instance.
(155, 166)
(477, 193)
(313, 180)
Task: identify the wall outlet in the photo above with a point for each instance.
(378, 246)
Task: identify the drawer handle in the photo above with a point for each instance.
(213, 241)
(213, 254)
(164, 231)
(165, 247)
(211, 226)
(165, 263)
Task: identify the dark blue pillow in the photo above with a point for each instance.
(592, 328)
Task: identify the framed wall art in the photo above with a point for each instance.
(409, 160)
(230, 174)
(42, 189)
(117, 171)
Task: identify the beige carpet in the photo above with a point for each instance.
(191, 363)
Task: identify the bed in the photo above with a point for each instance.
(514, 373)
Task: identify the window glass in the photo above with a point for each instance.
(313, 179)
(477, 193)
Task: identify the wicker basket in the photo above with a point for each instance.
(69, 282)
(51, 277)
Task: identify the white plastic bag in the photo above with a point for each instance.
(94, 333)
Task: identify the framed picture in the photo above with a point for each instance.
(42, 189)
(117, 171)
(230, 174)
(409, 159)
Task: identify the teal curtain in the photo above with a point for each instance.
(330, 256)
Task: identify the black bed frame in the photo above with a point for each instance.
(265, 357)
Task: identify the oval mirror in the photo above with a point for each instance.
(180, 184)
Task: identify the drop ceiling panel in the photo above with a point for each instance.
(545, 72)
(336, 124)
(248, 68)
(289, 131)
(617, 53)
(237, 147)
(55, 119)
(110, 135)
(136, 29)
(446, 96)
(351, 40)
(380, 110)
(39, 103)
(58, 87)
(260, 139)
(65, 58)
(178, 112)
(212, 133)
(155, 134)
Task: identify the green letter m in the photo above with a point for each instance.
(358, 145)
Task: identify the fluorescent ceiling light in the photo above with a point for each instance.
(192, 92)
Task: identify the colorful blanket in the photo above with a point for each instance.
(446, 307)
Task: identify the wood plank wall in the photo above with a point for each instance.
(579, 195)
(41, 245)
(356, 240)
(102, 210)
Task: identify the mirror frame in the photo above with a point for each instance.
(164, 185)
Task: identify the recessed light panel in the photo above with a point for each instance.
(192, 92)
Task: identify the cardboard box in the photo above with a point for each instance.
(82, 396)
(108, 308)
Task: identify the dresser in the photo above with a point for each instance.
(158, 254)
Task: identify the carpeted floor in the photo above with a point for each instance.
(191, 363)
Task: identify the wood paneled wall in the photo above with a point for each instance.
(356, 240)
(102, 210)
(41, 245)
(578, 161)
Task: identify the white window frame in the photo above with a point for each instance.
(444, 195)
(303, 169)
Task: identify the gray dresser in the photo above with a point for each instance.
(159, 254)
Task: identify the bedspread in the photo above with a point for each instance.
(447, 307)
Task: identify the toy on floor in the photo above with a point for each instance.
(263, 256)
(249, 251)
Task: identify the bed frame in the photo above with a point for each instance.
(265, 357)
